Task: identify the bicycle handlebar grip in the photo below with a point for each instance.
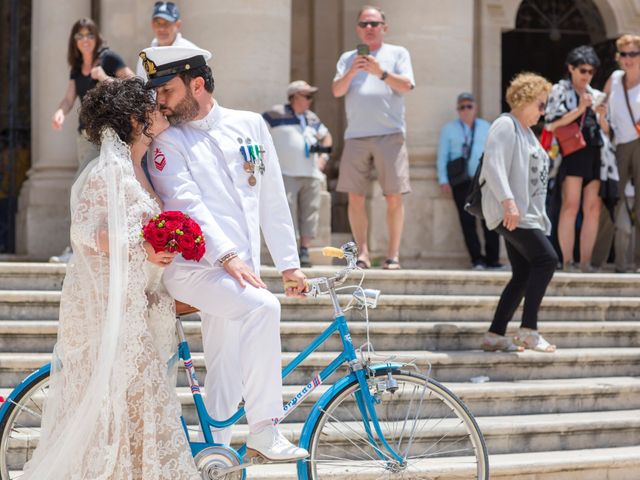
(294, 284)
(333, 252)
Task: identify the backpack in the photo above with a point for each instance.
(473, 201)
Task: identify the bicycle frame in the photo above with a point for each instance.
(348, 356)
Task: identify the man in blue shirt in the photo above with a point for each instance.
(465, 138)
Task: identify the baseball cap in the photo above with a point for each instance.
(167, 10)
(466, 96)
(300, 86)
(164, 63)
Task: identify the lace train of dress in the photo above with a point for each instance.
(112, 413)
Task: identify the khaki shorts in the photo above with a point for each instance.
(387, 153)
(303, 195)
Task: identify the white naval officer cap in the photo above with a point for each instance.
(164, 63)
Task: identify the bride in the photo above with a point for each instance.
(112, 413)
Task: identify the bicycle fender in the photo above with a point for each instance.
(307, 429)
(21, 386)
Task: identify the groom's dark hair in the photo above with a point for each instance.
(204, 72)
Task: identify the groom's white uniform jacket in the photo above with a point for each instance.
(197, 168)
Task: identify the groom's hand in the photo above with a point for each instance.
(243, 274)
(294, 275)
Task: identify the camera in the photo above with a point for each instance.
(319, 149)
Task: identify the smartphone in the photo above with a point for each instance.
(600, 100)
(362, 49)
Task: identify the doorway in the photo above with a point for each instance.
(546, 30)
(15, 112)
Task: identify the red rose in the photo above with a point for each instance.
(159, 238)
(187, 243)
(200, 249)
(173, 215)
(173, 225)
(193, 227)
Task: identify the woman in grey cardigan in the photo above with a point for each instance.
(516, 171)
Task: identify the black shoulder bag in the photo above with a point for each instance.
(457, 168)
(473, 201)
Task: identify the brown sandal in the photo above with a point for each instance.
(391, 264)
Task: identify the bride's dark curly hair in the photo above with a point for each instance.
(114, 103)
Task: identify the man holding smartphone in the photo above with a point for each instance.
(374, 78)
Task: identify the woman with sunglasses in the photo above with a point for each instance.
(572, 100)
(515, 173)
(623, 88)
(91, 62)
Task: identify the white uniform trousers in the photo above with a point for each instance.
(241, 339)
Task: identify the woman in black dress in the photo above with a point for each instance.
(573, 100)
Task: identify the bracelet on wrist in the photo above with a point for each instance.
(227, 258)
(384, 75)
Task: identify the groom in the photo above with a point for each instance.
(220, 167)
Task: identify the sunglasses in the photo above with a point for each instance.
(370, 24)
(629, 54)
(586, 71)
(79, 36)
(168, 4)
(466, 106)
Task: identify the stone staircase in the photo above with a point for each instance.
(572, 414)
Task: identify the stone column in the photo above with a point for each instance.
(441, 48)
(42, 221)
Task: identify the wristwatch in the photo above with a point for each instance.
(384, 75)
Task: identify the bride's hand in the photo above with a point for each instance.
(162, 259)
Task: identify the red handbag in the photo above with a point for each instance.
(546, 139)
(570, 137)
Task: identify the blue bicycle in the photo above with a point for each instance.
(381, 420)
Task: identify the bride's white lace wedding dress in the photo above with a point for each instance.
(112, 413)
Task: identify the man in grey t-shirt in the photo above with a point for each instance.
(374, 85)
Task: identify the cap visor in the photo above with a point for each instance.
(165, 16)
(157, 81)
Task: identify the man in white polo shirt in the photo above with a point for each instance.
(374, 79)
(303, 144)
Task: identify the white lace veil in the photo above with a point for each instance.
(95, 299)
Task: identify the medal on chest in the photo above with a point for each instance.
(253, 155)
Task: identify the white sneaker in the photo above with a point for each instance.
(64, 257)
(272, 445)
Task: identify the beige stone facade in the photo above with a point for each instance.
(258, 47)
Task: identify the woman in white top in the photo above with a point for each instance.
(625, 121)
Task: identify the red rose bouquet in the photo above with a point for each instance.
(175, 232)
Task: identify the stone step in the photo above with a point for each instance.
(43, 305)
(49, 276)
(39, 336)
(451, 366)
(503, 434)
(621, 463)
(527, 397)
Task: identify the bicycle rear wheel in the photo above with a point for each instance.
(424, 423)
(20, 427)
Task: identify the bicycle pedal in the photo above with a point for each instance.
(256, 458)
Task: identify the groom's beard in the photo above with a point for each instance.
(185, 111)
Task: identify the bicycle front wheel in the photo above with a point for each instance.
(424, 423)
(20, 427)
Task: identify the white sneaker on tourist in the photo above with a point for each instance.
(64, 257)
(272, 445)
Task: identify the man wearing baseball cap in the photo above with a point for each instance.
(303, 144)
(220, 167)
(165, 23)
